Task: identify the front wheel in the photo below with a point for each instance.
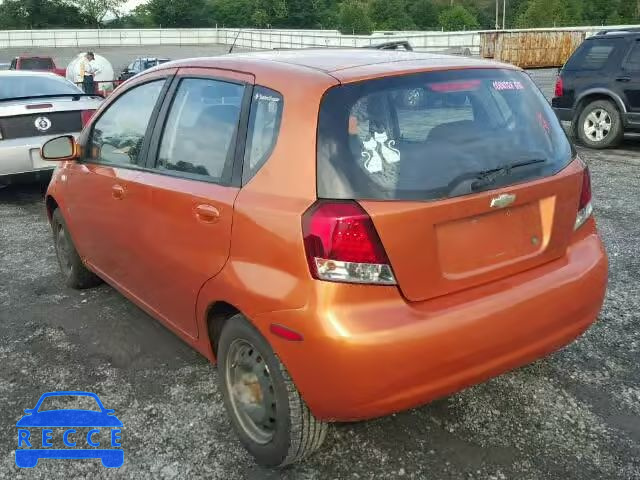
(266, 409)
(600, 125)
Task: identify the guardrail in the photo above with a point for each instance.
(473, 42)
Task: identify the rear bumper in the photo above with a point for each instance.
(367, 359)
(22, 155)
(564, 114)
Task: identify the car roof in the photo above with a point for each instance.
(345, 65)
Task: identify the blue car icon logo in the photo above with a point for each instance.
(69, 433)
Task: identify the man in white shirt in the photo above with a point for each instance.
(88, 70)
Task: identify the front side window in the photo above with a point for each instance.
(201, 128)
(436, 135)
(264, 125)
(119, 133)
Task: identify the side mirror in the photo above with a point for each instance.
(29, 410)
(59, 149)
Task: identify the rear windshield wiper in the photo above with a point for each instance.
(75, 96)
(488, 177)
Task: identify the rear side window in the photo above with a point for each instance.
(264, 125)
(432, 135)
(593, 54)
(632, 62)
(200, 132)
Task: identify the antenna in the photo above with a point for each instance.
(235, 40)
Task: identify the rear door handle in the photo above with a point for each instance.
(118, 192)
(623, 79)
(207, 213)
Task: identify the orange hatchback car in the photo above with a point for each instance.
(349, 233)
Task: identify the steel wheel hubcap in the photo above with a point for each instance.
(63, 250)
(597, 125)
(251, 391)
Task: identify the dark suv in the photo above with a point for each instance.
(598, 89)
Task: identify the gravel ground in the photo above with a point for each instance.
(574, 415)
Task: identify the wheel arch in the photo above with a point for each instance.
(594, 94)
(51, 204)
(217, 315)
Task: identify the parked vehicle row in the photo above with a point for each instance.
(35, 107)
(383, 252)
(140, 65)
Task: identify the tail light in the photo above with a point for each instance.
(585, 209)
(559, 91)
(342, 245)
(86, 116)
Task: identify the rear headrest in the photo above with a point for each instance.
(450, 131)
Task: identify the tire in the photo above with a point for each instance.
(76, 275)
(600, 125)
(252, 379)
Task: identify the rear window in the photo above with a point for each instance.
(34, 85)
(36, 64)
(593, 54)
(434, 135)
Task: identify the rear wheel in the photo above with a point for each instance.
(600, 125)
(271, 418)
(76, 275)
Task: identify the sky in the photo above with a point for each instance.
(131, 4)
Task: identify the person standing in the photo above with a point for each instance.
(88, 70)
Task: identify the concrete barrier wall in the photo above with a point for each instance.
(247, 38)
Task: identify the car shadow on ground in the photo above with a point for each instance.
(22, 193)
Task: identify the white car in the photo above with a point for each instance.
(35, 107)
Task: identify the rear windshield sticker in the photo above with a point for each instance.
(372, 159)
(390, 154)
(376, 149)
(508, 85)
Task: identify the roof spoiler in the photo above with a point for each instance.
(395, 45)
(618, 30)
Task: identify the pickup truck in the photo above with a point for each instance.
(42, 64)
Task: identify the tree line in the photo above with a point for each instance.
(348, 16)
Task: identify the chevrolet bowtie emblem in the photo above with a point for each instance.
(503, 200)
